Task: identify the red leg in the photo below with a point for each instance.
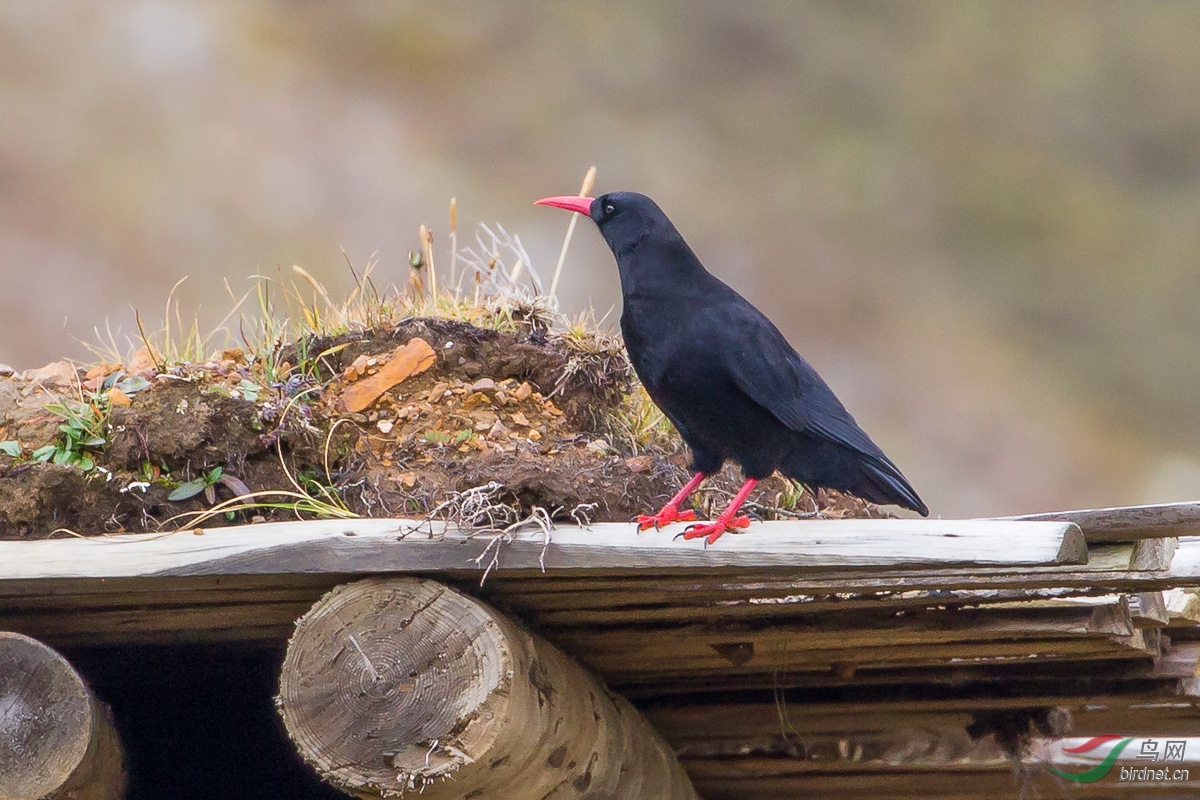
(670, 512)
(726, 519)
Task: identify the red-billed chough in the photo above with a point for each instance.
(724, 374)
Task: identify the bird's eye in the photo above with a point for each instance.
(608, 208)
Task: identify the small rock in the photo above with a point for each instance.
(483, 384)
(356, 368)
(523, 391)
(6, 371)
(384, 425)
(475, 399)
(598, 446)
(483, 420)
(99, 371)
(498, 431)
(141, 361)
(56, 372)
(519, 419)
(639, 463)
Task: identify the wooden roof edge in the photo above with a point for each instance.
(395, 545)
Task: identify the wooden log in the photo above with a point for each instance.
(403, 684)
(1128, 523)
(57, 741)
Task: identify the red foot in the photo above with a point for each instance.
(666, 516)
(713, 530)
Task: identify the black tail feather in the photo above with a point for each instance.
(891, 487)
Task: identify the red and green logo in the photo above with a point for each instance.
(1100, 770)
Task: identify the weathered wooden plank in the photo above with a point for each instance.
(925, 738)
(702, 585)
(1167, 675)
(685, 725)
(714, 607)
(1182, 607)
(1167, 717)
(382, 545)
(667, 660)
(1127, 523)
(1148, 609)
(1165, 568)
(197, 622)
(762, 647)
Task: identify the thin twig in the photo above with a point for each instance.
(588, 180)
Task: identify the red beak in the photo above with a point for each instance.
(580, 205)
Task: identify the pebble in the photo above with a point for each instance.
(483, 384)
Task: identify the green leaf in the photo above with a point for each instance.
(437, 436)
(249, 389)
(86, 463)
(93, 441)
(133, 384)
(11, 447)
(462, 436)
(62, 457)
(44, 454)
(185, 490)
(214, 474)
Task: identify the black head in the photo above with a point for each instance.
(625, 219)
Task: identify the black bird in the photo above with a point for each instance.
(724, 374)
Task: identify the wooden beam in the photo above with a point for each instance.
(647, 607)
(688, 657)
(395, 685)
(1182, 607)
(388, 545)
(57, 741)
(1147, 565)
(1128, 523)
(1166, 676)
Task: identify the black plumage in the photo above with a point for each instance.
(725, 375)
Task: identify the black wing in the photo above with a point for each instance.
(770, 372)
(765, 368)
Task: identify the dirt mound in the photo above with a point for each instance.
(380, 423)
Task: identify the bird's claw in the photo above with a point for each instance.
(666, 516)
(713, 530)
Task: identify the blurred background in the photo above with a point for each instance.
(980, 221)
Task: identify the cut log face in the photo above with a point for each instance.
(56, 739)
(405, 685)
